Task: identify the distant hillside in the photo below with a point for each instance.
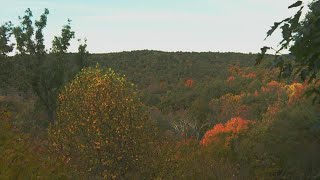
(144, 67)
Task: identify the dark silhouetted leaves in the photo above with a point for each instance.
(296, 4)
(278, 62)
(273, 28)
(301, 38)
(304, 74)
(287, 71)
(294, 22)
(261, 54)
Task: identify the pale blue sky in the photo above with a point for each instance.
(168, 25)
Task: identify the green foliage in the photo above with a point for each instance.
(39, 38)
(83, 53)
(200, 114)
(5, 34)
(177, 99)
(102, 130)
(23, 156)
(61, 44)
(147, 67)
(283, 145)
(301, 38)
(6, 77)
(24, 33)
(102, 126)
(41, 80)
(90, 112)
(193, 161)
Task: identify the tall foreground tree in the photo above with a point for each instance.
(302, 38)
(5, 47)
(49, 80)
(43, 74)
(83, 54)
(5, 34)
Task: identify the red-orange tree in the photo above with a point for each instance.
(101, 125)
(231, 128)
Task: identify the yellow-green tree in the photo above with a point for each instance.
(102, 126)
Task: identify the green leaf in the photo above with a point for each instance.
(296, 4)
(294, 22)
(273, 28)
(286, 33)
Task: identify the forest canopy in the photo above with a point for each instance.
(159, 115)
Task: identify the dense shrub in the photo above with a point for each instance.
(102, 126)
(283, 145)
(23, 156)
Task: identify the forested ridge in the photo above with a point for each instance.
(158, 115)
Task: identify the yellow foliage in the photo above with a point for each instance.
(101, 124)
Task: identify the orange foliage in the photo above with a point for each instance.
(273, 109)
(250, 75)
(235, 69)
(231, 78)
(232, 128)
(295, 91)
(227, 106)
(243, 111)
(101, 120)
(189, 83)
(272, 86)
(187, 141)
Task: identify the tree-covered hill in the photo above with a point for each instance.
(146, 67)
(157, 115)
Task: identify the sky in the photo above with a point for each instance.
(166, 25)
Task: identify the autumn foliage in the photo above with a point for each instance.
(231, 129)
(295, 91)
(101, 125)
(250, 75)
(228, 106)
(189, 83)
(230, 78)
(5, 114)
